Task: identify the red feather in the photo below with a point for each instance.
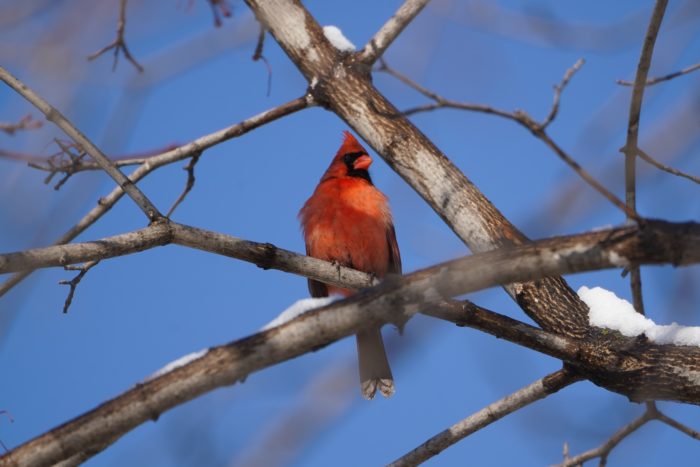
(347, 220)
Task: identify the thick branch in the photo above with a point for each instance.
(627, 365)
(344, 87)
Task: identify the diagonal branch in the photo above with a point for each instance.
(73, 283)
(105, 203)
(491, 413)
(538, 129)
(661, 79)
(665, 168)
(620, 366)
(390, 31)
(189, 184)
(604, 450)
(347, 90)
(631, 146)
(558, 89)
(53, 115)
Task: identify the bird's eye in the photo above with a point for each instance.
(350, 157)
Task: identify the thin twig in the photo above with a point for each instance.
(258, 55)
(538, 390)
(604, 450)
(105, 203)
(391, 30)
(119, 44)
(660, 79)
(631, 145)
(56, 163)
(25, 123)
(73, 283)
(558, 89)
(665, 168)
(53, 115)
(188, 185)
(538, 129)
(62, 162)
(220, 8)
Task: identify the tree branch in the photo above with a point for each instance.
(152, 163)
(538, 129)
(390, 31)
(631, 146)
(346, 89)
(53, 115)
(119, 44)
(491, 413)
(25, 123)
(626, 365)
(604, 450)
(665, 168)
(660, 79)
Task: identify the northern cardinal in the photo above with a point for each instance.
(347, 220)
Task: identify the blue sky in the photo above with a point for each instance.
(132, 315)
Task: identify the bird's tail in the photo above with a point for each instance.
(375, 372)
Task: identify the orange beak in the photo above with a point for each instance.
(362, 162)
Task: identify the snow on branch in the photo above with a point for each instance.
(609, 311)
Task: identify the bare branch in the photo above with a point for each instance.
(57, 163)
(25, 123)
(665, 168)
(520, 117)
(558, 89)
(152, 163)
(188, 185)
(489, 414)
(220, 8)
(119, 44)
(657, 242)
(53, 115)
(660, 79)
(73, 283)
(603, 450)
(62, 162)
(631, 146)
(393, 300)
(258, 55)
(390, 31)
(677, 425)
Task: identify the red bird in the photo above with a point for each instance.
(348, 221)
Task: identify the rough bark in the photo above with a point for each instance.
(342, 83)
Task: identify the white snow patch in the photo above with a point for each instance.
(337, 39)
(298, 308)
(182, 361)
(609, 311)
